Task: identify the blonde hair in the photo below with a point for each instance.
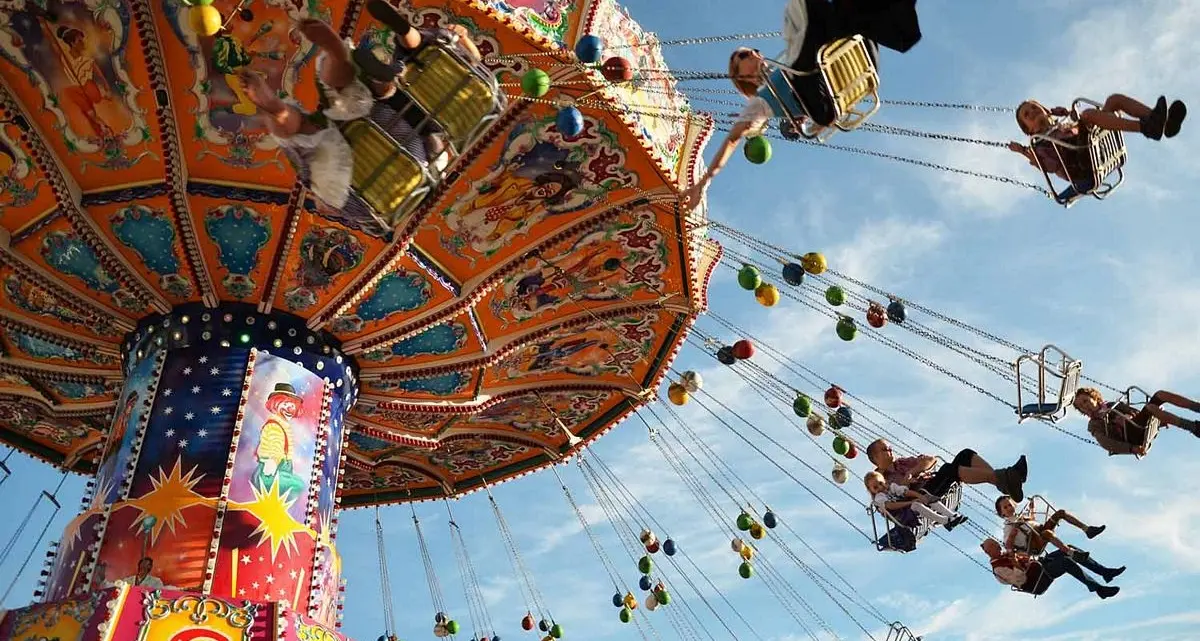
(1020, 123)
(871, 475)
(1089, 392)
(743, 84)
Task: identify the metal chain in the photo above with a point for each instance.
(914, 133)
(949, 105)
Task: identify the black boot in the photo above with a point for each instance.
(1009, 482)
(1154, 125)
(1175, 115)
(1112, 574)
(1093, 531)
(1106, 591)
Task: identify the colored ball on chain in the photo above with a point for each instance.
(544, 625)
(439, 631)
(645, 565)
(652, 547)
(651, 602)
(618, 600)
(737, 544)
(382, 637)
(746, 570)
(630, 601)
(743, 349)
(852, 452)
(744, 521)
(840, 474)
(749, 277)
(815, 425)
(202, 3)
(556, 631)
(793, 274)
(802, 406)
(205, 20)
(626, 616)
(813, 262)
(569, 122)
(535, 83)
(847, 330)
(669, 547)
(647, 536)
(527, 621)
(725, 355)
(246, 15)
(589, 49)
(757, 149)
(770, 520)
(645, 583)
(617, 70)
(691, 381)
(757, 531)
(452, 626)
(841, 445)
(677, 393)
(843, 418)
(876, 315)
(746, 553)
(440, 617)
(767, 295)
(896, 312)
(835, 295)
(833, 396)
(663, 597)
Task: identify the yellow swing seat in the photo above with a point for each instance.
(460, 95)
(849, 77)
(1057, 380)
(387, 176)
(1106, 156)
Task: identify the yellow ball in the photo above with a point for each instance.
(205, 20)
(757, 531)
(767, 295)
(677, 393)
(813, 263)
(747, 552)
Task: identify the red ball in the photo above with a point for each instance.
(653, 548)
(617, 69)
(852, 452)
(876, 315)
(833, 397)
(743, 349)
(527, 622)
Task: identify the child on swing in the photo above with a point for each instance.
(1023, 533)
(907, 505)
(345, 96)
(1120, 429)
(1036, 119)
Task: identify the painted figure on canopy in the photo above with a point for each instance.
(274, 451)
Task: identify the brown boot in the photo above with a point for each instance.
(1008, 481)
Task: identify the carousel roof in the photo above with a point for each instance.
(545, 284)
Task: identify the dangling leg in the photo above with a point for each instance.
(337, 69)
(1063, 515)
(924, 511)
(283, 120)
(1171, 398)
(1058, 564)
(1149, 122)
(1084, 559)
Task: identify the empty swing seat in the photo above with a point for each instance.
(1057, 381)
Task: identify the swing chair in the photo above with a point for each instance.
(848, 76)
(899, 632)
(460, 96)
(1102, 151)
(903, 538)
(1140, 435)
(1039, 509)
(1057, 380)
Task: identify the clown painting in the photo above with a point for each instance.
(274, 451)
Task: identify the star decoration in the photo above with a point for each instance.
(202, 433)
(214, 371)
(245, 559)
(270, 578)
(226, 392)
(254, 585)
(168, 410)
(168, 392)
(187, 370)
(183, 442)
(214, 410)
(172, 494)
(170, 432)
(203, 360)
(189, 416)
(195, 389)
(241, 591)
(275, 523)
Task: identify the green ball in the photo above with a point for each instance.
(847, 330)
(757, 150)
(645, 565)
(202, 3)
(663, 597)
(746, 570)
(835, 295)
(749, 277)
(452, 626)
(841, 446)
(802, 406)
(744, 521)
(626, 615)
(535, 83)
(556, 631)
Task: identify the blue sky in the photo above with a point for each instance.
(1113, 282)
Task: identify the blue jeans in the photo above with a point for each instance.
(1057, 563)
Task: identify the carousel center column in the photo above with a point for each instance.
(220, 473)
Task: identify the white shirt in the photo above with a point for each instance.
(894, 493)
(1018, 524)
(150, 581)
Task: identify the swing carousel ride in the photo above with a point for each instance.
(232, 361)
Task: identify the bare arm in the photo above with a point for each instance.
(691, 197)
(464, 40)
(1010, 540)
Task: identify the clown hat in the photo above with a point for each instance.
(282, 391)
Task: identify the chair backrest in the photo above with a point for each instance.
(851, 77)
(460, 96)
(386, 176)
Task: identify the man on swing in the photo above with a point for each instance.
(917, 472)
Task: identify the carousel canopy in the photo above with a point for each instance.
(521, 310)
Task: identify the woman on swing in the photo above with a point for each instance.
(1120, 429)
(808, 25)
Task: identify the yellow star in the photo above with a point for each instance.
(172, 494)
(275, 523)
